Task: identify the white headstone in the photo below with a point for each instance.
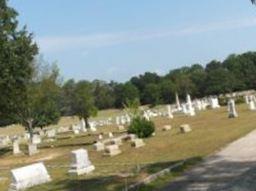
(167, 127)
(110, 135)
(80, 162)
(169, 112)
(16, 147)
(185, 128)
(251, 102)
(51, 133)
(118, 120)
(190, 109)
(99, 146)
(214, 102)
(232, 109)
(177, 102)
(137, 143)
(32, 149)
(28, 176)
(100, 137)
(112, 150)
(36, 139)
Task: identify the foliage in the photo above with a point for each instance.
(131, 107)
(141, 127)
(17, 51)
(83, 101)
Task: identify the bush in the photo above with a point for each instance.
(141, 127)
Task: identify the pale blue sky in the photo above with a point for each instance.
(117, 39)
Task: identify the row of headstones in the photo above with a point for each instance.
(111, 146)
(36, 174)
(190, 107)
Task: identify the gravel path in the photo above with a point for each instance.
(231, 169)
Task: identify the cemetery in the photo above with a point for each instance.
(82, 159)
(77, 113)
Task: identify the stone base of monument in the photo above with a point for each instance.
(99, 146)
(167, 127)
(116, 141)
(112, 150)
(185, 128)
(32, 149)
(137, 143)
(81, 170)
(232, 115)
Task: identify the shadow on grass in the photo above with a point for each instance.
(5, 150)
(114, 183)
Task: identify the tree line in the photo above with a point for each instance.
(33, 94)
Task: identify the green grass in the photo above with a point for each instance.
(212, 130)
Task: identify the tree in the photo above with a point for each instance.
(84, 102)
(17, 51)
(152, 94)
(124, 93)
(253, 1)
(41, 106)
(67, 98)
(104, 94)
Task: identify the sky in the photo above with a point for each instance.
(115, 40)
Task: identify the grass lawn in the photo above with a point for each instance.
(212, 130)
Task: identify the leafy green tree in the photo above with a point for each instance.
(124, 93)
(67, 98)
(17, 51)
(167, 91)
(104, 95)
(152, 94)
(41, 106)
(84, 102)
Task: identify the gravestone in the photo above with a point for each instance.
(28, 176)
(32, 149)
(51, 133)
(214, 103)
(99, 146)
(117, 120)
(100, 137)
(116, 141)
(80, 163)
(137, 143)
(93, 127)
(251, 103)
(185, 128)
(167, 127)
(16, 147)
(146, 116)
(190, 109)
(169, 112)
(246, 98)
(121, 128)
(184, 108)
(110, 135)
(76, 131)
(112, 150)
(36, 139)
(232, 109)
(177, 102)
(83, 126)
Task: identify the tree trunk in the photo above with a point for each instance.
(87, 123)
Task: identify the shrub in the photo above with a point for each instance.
(141, 127)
